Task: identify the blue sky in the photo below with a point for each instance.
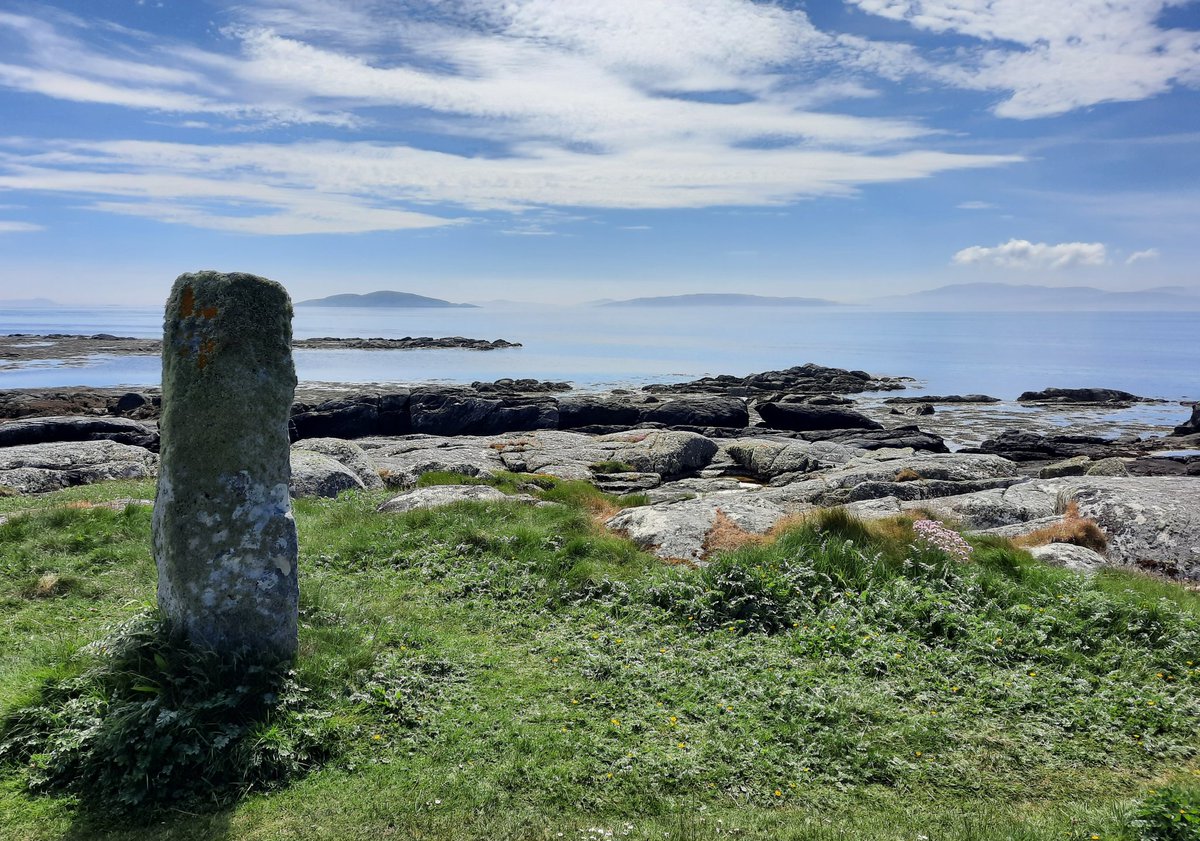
(569, 150)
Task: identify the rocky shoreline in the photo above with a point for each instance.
(749, 450)
(69, 348)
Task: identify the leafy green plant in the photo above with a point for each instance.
(1168, 814)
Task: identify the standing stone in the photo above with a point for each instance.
(224, 536)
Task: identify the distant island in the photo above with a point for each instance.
(721, 300)
(999, 297)
(386, 299)
(26, 303)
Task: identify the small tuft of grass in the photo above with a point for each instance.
(907, 474)
(726, 536)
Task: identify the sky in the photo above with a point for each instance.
(570, 150)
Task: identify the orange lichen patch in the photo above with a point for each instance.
(208, 312)
(187, 302)
(725, 535)
(908, 475)
(207, 348)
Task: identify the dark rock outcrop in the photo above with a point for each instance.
(948, 398)
(594, 412)
(459, 412)
(47, 430)
(1106, 396)
(801, 379)
(353, 417)
(1029, 446)
(798, 417)
(1192, 425)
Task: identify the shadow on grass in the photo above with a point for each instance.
(143, 726)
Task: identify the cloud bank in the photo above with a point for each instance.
(431, 114)
(1023, 254)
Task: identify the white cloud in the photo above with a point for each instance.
(1051, 58)
(1147, 254)
(342, 187)
(9, 227)
(976, 205)
(1023, 254)
(615, 104)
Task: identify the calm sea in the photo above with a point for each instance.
(1002, 354)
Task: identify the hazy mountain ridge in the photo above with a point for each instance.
(716, 299)
(1032, 297)
(382, 298)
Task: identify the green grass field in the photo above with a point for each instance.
(505, 671)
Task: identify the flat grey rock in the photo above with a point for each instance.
(316, 474)
(678, 531)
(352, 456)
(1152, 522)
(1077, 558)
(401, 461)
(440, 495)
(40, 468)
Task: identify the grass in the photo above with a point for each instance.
(508, 671)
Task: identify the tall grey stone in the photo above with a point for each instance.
(224, 536)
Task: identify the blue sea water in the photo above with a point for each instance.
(1002, 354)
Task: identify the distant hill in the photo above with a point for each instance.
(23, 303)
(721, 300)
(379, 299)
(1018, 297)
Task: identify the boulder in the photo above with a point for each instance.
(702, 411)
(352, 456)
(38, 468)
(899, 437)
(1108, 467)
(921, 476)
(45, 430)
(1075, 466)
(439, 495)
(1106, 396)
(1077, 558)
(593, 410)
(1020, 445)
(1152, 522)
(401, 461)
(680, 530)
(799, 417)
(914, 410)
(570, 455)
(316, 474)
(1192, 425)
(1023, 503)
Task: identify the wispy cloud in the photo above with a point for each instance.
(1022, 254)
(10, 227)
(976, 205)
(624, 104)
(1147, 254)
(1051, 58)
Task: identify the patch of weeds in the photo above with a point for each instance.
(1171, 813)
(144, 720)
